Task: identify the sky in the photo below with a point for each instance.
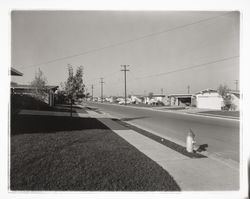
(165, 50)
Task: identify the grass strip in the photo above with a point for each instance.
(222, 113)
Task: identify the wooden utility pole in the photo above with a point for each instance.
(188, 87)
(236, 85)
(125, 80)
(92, 88)
(102, 82)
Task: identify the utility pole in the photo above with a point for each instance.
(102, 82)
(92, 88)
(236, 85)
(188, 87)
(125, 80)
(162, 91)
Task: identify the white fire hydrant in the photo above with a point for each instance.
(190, 141)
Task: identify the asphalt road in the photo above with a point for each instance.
(221, 135)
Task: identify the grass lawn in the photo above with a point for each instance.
(63, 153)
(223, 113)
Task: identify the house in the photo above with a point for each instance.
(235, 99)
(180, 99)
(154, 99)
(110, 99)
(29, 90)
(209, 99)
(15, 72)
(158, 97)
(136, 99)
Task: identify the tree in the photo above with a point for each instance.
(223, 90)
(39, 83)
(74, 87)
(150, 95)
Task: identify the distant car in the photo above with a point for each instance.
(121, 102)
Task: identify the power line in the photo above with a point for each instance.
(105, 76)
(190, 67)
(124, 42)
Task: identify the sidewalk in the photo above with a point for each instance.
(191, 174)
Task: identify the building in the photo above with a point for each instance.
(180, 99)
(154, 99)
(136, 99)
(29, 90)
(209, 99)
(235, 99)
(15, 72)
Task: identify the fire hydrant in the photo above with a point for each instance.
(190, 141)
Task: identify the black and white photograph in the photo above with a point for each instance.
(125, 101)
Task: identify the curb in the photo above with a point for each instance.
(231, 163)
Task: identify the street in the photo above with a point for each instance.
(221, 135)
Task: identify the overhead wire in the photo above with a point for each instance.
(189, 67)
(125, 42)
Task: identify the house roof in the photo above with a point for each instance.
(138, 95)
(158, 95)
(208, 90)
(25, 86)
(180, 95)
(15, 72)
(236, 93)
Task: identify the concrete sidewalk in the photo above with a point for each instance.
(202, 174)
(191, 174)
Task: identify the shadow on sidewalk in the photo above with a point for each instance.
(48, 124)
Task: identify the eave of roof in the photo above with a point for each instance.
(24, 86)
(206, 91)
(179, 95)
(15, 72)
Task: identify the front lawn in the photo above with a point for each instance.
(223, 113)
(63, 153)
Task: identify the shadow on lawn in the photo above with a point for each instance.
(48, 124)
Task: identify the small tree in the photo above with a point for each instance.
(223, 90)
(39, 83)
(150, 95)
(74, 87)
